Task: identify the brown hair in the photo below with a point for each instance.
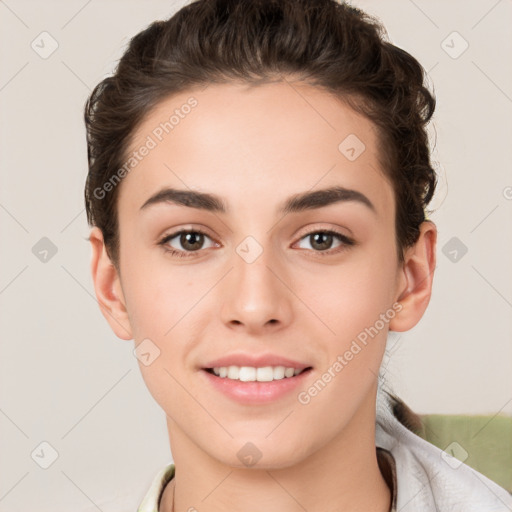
(324, 43)
(405, 415)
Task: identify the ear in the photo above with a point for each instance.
(107, 285)
(415, 281)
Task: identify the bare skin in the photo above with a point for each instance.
(255, 148)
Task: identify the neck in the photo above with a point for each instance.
(341, 475)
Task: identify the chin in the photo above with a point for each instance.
(261, 453)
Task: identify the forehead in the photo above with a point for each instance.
(247, 143)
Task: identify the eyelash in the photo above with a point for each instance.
(346, 241)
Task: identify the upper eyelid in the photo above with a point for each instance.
(166, 238)
(178, 231)
(326, 230)
(345, 239)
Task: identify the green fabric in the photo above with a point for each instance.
(486, 439)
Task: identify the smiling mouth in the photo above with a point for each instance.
(250, 374)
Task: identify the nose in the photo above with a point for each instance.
(256, 295)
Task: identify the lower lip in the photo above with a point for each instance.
(256, 392)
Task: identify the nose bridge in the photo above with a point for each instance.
(256, 296)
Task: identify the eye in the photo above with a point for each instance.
(190, 240)
(321, 241)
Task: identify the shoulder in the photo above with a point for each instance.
(430, 479)
(154, 494)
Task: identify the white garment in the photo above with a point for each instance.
(427, 479)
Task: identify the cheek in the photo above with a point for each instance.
(160, 307)
(156, 293)
(351, 296)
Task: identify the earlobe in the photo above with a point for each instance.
(417, 273)
(107, 286)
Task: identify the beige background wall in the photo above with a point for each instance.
(66, 380)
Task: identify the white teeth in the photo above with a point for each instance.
(245, 374)
(251, 374)
(278, 372)
(233, 372)
(265, 374)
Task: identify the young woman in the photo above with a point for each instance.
(259, 174)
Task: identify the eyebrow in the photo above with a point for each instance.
(294, 204)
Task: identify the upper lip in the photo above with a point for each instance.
(257, 361)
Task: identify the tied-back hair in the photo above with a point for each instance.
(405, 415)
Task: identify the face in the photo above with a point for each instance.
(271, 266)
